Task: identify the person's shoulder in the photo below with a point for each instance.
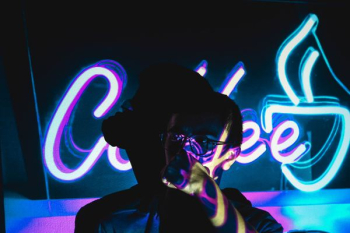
(90, 215)
(235, 196)
(260, 219)
(111, 203)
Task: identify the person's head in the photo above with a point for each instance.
(164, 88)
(210, 131)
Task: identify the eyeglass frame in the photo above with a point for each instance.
(186, 138)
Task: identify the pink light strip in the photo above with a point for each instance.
(231, 81)
(248, 157)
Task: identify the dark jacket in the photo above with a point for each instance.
(131, 211)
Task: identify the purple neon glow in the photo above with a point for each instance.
(250, 141)
(221, 155)
(59, 170)
(202, 68)
(76, 147)
(116, 159)
(278, 143)
(292, 208)
(62, 114)
(252, 148)
(232, 79)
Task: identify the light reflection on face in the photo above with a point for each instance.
(208, 124)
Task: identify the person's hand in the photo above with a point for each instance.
(186, 174)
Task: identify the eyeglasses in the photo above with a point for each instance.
(200, 145)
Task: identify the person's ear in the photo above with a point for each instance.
(232, 154)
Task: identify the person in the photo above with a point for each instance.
(201, 137)
(136, 128)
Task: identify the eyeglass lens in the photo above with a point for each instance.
(198, 144)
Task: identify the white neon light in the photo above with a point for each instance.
(332, 169)
(323, 151)
(343, 144)
(116, 161)
(202, 68)
(286, 49)
(254, 138)
(112, 95)
(277, 147)
(296, 110)
(233, 82)
(80, 171)
(251, 141)
(252, 156)
(305, 74)
(202, 71)
(61, 117)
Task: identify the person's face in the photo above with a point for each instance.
(213, 156)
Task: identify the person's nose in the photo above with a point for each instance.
(185, 146)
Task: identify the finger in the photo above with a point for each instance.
(168, 184)
(175, 176)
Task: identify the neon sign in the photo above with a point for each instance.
(115, 75)
(309, 105)
(283, 137)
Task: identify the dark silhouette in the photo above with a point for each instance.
(163, 89)
(201, 136)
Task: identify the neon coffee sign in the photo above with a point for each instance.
(284, 146)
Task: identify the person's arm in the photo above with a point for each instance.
(188, 175)
(90, 216)
(260, 219)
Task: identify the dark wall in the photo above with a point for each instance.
(20, 135)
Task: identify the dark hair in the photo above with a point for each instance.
(226, 108)
(167, 88)
(231, 114)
